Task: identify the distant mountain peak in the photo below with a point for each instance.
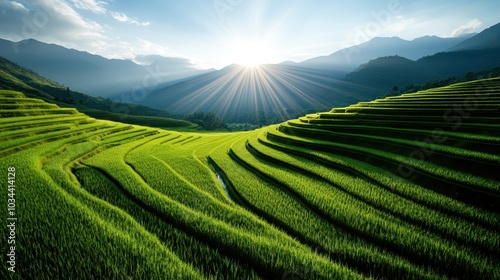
(467, 35)
(92, 73)
(383, 40)
(487, 39)
(427, 37)
(348, 59)
(384, 61)
(29, 41)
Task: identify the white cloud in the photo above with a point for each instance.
(65, 23)
(95, 6)
(467, 28)
(400, 24)
(121, 17)
(18, 6)
(130, 48)
(59, 22)
(51, 21)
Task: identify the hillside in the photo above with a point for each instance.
(378, 66)
(385, 71)
(348, 59)
(15, 77)
(263, 95)
(488, 39)
(460, 62)
(401, 187)
(380, 75)
(110, 77)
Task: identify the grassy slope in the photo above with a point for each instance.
(347, 193)
(15, 77)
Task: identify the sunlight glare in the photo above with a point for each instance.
(250, 53)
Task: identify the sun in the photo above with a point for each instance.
(250, 53)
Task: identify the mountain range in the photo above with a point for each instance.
(17, 78)
(488, 39)
(348, 59)
(380, 75)
(265, 94)
(288, 88)
(269, 93)
(94, 74)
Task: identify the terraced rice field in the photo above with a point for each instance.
(404, 187)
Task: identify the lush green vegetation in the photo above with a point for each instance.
(17, 78)
(470, 76)
(405, 187)
(209, 121)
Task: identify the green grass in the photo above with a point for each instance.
(16, 78)
(320, 197)
(158, 122)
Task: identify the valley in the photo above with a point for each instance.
(263, 95)
(235, 140)
(374, 189)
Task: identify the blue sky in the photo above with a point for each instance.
(216, 33)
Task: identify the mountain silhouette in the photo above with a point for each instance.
(348, 59)
(264, 94)
(95, 74)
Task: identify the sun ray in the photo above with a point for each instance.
(250, 53)
(263, 94)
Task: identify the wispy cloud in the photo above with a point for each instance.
(52, 21)
(65, 22)
(59, 22)
(95, 6)
(18, 6)
(130, 48)
(467, 28)
(98, 7)
(121, 17)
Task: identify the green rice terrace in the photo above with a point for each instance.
(405, 187)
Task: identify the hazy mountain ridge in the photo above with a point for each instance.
(266, 94)
(350, 58)
(220, 93)
(489, 38)
(270, 93)
(385, 70)
(18, 78)
(95, 74)
(378, 76)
